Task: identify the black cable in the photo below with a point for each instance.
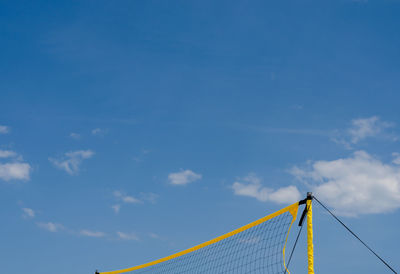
(294, 246)
(297, 238)
(348, 229)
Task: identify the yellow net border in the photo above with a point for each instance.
(292, 209)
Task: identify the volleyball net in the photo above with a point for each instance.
(258, 247)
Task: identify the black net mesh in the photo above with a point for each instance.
(258, 249)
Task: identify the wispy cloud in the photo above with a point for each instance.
(116, 208)
(283, 130)
(99, 131)
(72, 160)
(131, 236)
(183, 177)
(7, 154)
(154, 235)
(149, 197)
(55, 227)
(396, 158)
(123, 198)
(90, 233)
(367, 127)
(139, 158)
(75, 136)
(126, 198)
(251, 186)
(52, 227)
(361, 129)
(297, 107)
(4, 129)
(360, 184)
(28, 213)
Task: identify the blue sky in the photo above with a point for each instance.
(133, 129)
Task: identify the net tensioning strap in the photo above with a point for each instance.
(258, 247)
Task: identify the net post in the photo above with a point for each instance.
(310, 245)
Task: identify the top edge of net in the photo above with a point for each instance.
(293, 208)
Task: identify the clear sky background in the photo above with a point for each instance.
(133, 129)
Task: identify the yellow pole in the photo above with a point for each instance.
(310, 246)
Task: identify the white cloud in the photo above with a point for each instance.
(183, 177)
(72, 160)
(130, 200)
(127, 236)
(364, 128)
(99, 131)
(8, 154)
(360, 184)
(125, 198)
(52, 227)
(75, 136)
(116, 208)
(90, 233)
(251, 186)
(139, 158)
(367, 127)
(15, 171)
(285, 195)
(96, 131)
(296, 131)
(4, 129)
(28, 213)
(396, 158)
